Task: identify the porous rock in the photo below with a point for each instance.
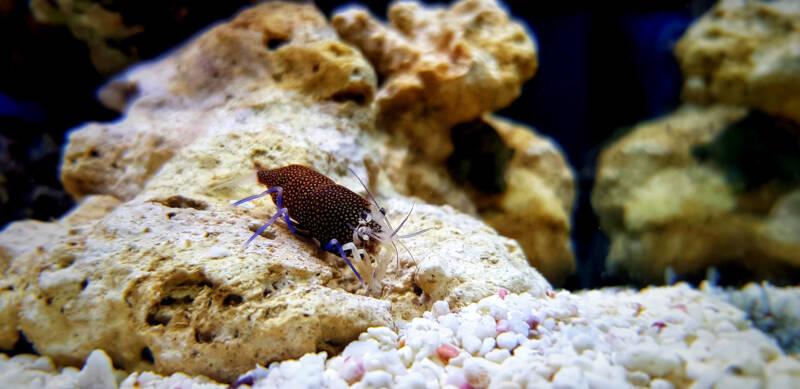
(744, 53)
(435, 75)
(441, 66)
(164, 282)
(258, 65)
(664, 205)
(28, 236)
(534, 202)
(535, 207)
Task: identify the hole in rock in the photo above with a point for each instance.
(147, 355)
(267, 234)
(169, 300)
(417, 290)
(480, 156)
(381, 79)
(754, 151)
(179, 201)
(204, 336)
(346, 95)
(274, 43)
(157, 318)
(331, 346)
(203, 284)
(232, 299)
(65, 260)
(84, 283)
(21, 346)
(179, 293)
(274, 310)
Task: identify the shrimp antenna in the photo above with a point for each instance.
(389, 224)
(413, 234)
(365, 187)
(382, 209)
(403, 222)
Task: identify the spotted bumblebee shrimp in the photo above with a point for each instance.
(339, 220)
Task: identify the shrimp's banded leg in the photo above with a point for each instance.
(334, 244)
(260, 195)
(282, 211)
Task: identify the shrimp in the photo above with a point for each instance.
(338, 219)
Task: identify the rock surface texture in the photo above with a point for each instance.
(152, 266)
(432, 62)
(745, 53)
(666, 207)
(536, 205)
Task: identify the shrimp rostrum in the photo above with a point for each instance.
(339, 220)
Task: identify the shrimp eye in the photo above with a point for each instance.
(363, 215)
(383, 211)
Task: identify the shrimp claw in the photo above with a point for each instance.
(335, 244)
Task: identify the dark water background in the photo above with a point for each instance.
(603, 65)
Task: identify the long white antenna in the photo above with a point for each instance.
(389, 224)
(380, 208)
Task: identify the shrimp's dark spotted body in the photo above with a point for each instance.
(319, 206)
(339, 219)
(298, 183)
(333, 205)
